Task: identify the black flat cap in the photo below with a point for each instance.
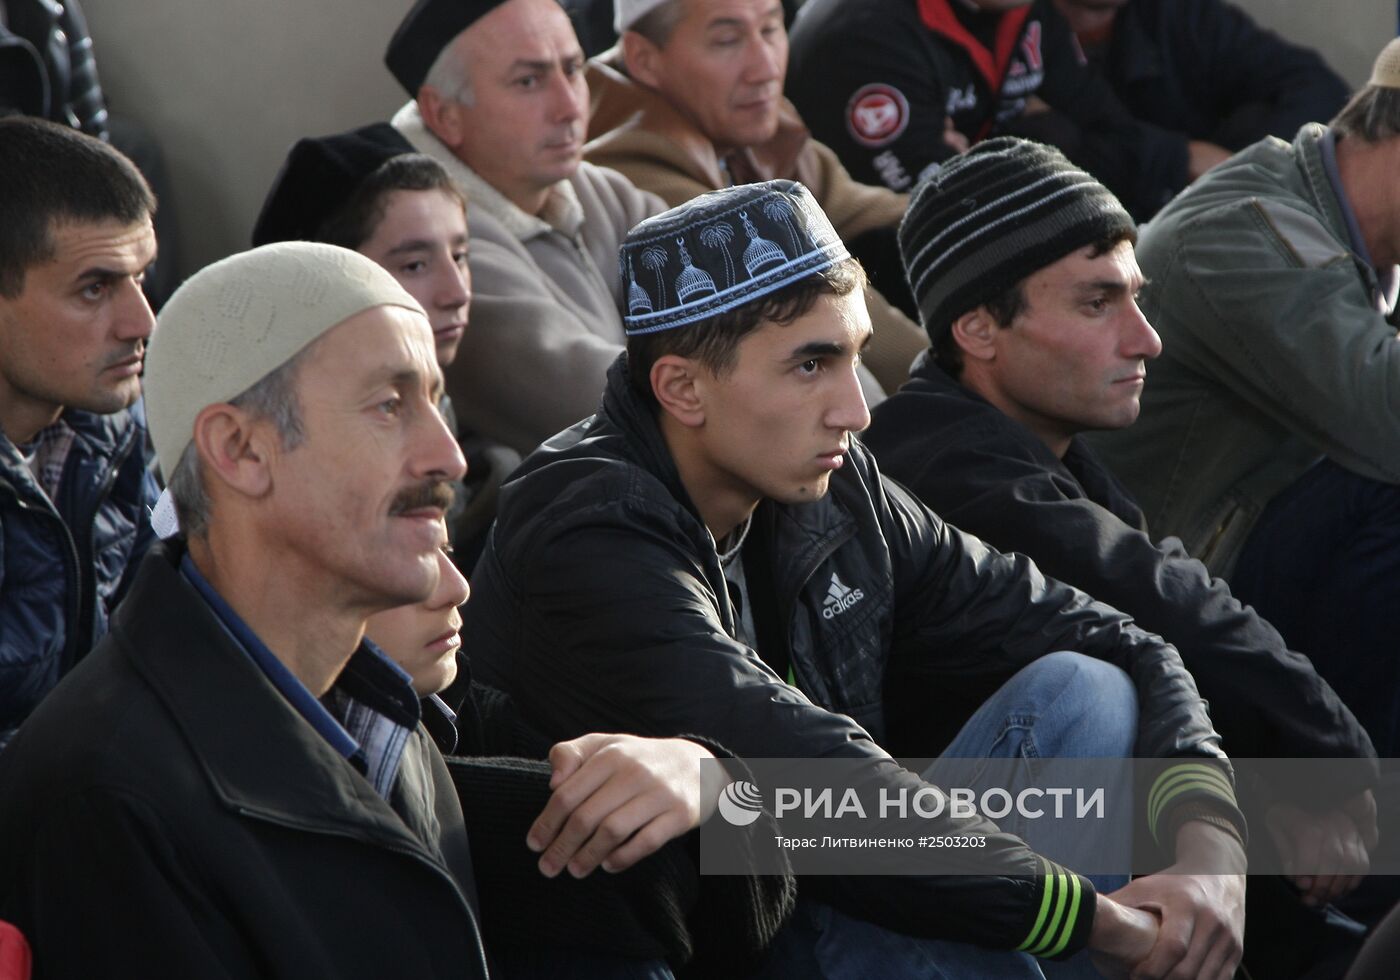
(429, 27)
(318, 178)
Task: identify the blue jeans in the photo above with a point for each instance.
(1322, 565)
(1063, 705)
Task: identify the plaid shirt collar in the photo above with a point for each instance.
(368, 714)
(47, 453)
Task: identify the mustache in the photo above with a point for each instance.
(430, 493)
(137, 349)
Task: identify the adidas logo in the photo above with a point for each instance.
(839, 598)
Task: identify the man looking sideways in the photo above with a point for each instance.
(714, 552)
(75, 242)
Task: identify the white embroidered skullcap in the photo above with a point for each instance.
(238, 320)
(1386, 73)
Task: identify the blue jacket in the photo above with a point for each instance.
(65, 564)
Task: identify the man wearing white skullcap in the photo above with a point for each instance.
(251, 773)
(234, 783)
(1269, 436)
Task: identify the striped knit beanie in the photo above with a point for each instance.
(993, 216)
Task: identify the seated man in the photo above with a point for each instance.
(501, 103)
(233, 755)
(715, 553)
(1203, 71)
(1270, 436)
(691, 101)
(896, 87)
(75, 241)
(369, 191)
(1035, 337)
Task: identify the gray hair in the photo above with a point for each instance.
(659, 23)
(449, 74)
(274, 397)
(1373, 114)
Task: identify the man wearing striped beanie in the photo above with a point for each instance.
(1024, 271)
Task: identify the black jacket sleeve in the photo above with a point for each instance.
(872, 57)
(618, 630)
(1268, 700)
(1247, 81)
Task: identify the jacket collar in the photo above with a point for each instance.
(1328, 194)
(636, 420)
(260, 757)
(1308, 152)
(1080, 465)
(103, 438)
(802, 535)
(562, 211)
(622, 106)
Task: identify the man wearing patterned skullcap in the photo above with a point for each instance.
(1269, 440)
(715, 552)
(1036, 338)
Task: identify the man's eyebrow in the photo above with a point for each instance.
(411, 245)
(543, 64)
(1103, 286)
(825, 348)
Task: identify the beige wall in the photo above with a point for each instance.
(1349, 33)
(228, 86)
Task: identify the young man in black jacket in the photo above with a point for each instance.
(1036, 337)
(714, 552)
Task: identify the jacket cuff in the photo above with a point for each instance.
(1062, 916)
(1204, 783)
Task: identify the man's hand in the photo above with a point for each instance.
(952, 137)
(617, 798)
(1201, 156)
(1120, 938)
(1326, 855)
(1200, 901)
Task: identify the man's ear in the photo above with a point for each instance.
(673, 382)
(234, 449)
(442, 116)
(974, 332)
(643, 59)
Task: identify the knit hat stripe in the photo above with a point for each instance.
(991, 217)
(977, 276)
(967, 241)
(991, 198)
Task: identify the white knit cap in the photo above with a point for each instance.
(1386, 73)
(238, 320)
(628, 12)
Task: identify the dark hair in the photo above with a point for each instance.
(659, 23)
(715, 342)
(353, 224)
(1005, 307)
(1373, 114)
(51, 174)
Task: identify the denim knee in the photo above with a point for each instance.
(1095, 699)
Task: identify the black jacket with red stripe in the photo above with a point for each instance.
(879, 81)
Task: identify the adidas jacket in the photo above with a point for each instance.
(600, 605)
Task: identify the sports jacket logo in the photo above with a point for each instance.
(839, 598)
(877, 114)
